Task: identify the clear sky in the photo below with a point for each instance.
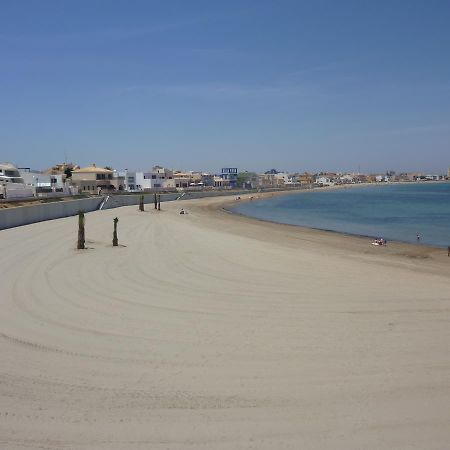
(296, 85)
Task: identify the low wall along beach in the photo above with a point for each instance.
(25, 215)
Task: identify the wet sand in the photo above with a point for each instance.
(215, 331)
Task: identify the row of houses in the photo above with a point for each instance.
(162, 178)
(327, 179)
(68, 179)
(93, 179)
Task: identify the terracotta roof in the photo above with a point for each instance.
(92, 169)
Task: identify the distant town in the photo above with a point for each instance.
(69, 179)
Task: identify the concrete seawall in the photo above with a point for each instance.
(25, 215)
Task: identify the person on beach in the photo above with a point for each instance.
(448, 250)
(418, 238)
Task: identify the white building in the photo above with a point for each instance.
(46, 185)
(431, 177)
(158, 178)
(12, 185)
(131, 180)
(347, 179)
(324, 181)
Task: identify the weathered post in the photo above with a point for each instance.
(156, 201)
(115, 240)
(159, 202)
(141, 203)
(81, 240)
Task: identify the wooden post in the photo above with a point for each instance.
(115, 240)
(81, 240)
(141, 203)
(156, 201)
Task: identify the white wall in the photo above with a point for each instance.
(24, 215)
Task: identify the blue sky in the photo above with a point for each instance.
(295, 85)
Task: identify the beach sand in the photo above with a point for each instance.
(215, 331)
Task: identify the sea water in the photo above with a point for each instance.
(391, 211)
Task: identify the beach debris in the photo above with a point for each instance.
(183, 211)
(141, 203)
(115, 240)
(81, 236)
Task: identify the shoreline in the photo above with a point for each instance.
(419, 257)
(227, 206)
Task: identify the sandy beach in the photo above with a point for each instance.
(215, 331)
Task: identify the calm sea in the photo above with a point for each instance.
(394, 212)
